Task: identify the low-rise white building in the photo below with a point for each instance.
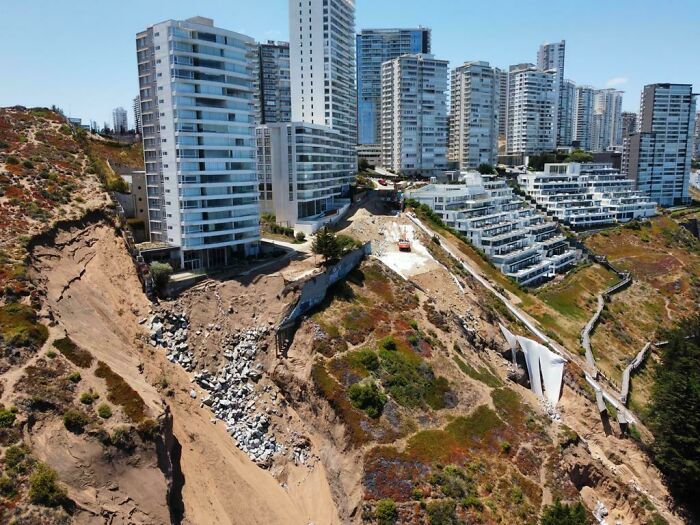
(586, 195)
(523, 243)
(303, 169)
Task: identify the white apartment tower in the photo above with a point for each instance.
(567, 111)
(120, 123)
(531, 106)
(658, 158)
(322, 60)
(414, 115)
(606, 132)
(196, 94)
(502, 77)
(552, 57)
(584, 105)
(474, 110)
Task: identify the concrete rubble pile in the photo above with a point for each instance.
(169, 331)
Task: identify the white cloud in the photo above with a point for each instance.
(616, 81)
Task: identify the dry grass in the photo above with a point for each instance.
(72, 352)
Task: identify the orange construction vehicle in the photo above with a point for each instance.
(404, 245)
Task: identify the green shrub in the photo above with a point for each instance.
(388, 343)
(51, 354)
(563, 514)
(44, 488)
(123, 439)
(74, 377)
(7, 417)
(367, 396)
(88, 398)
(19, 326)
(16, 458)
(442, 512)
(12, 160)
(119, 392)
(300, 237)
(28, 164)
(368, 359)
(75, 420)
(161, 273)
(386, 513)
(148, 429)
(8, 487)
(104, 411)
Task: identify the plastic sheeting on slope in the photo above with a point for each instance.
(511, 339)
(543, 366)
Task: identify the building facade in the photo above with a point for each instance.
(523, 243)
(120, 122)
(567, 112)
(584, 105)
(553, 57)
(374, 47)
(474, 113)
(531, 106)
(658, 158)
(302, 173)
(196, 91)
(137, 115)
(629, 124)
(502, 78)
(274, 95)
(414, 115)
(696, 140)
(606, 133)
(586, 195)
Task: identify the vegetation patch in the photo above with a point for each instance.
(120, 393)
(368, 397)
(72, 352)
(19, 326)
(482, 375)
(391, 474)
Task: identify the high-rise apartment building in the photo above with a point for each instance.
(658, 158)
(502, 78)
(137, 115)
(567, 111)
(374, 47)
(120, 122)
(629, 124)
(474, 110)
(531, 105)
(606, 132)
(584, 106)
(552, 57)
(196, 91)
(274, 95)
(414, 115)
(322, 58)
(696, 140)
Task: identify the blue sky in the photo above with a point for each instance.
(79, 54)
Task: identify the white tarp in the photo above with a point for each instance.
(512, 340)
(543, 365)
(552, 367)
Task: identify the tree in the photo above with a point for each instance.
(160, 273)
(363, 165)
(327, 245)
(486, 169)
(579, 156)
(674, 415)
(563, 514)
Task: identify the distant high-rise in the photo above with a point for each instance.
(658, 157)
(474, 109)
(120, 122)
(607, 120)
(567, 112)
(553, 57)
(322, 60)
(584, 105)
(696, 140)
(414, 115)
(196, 91)
(531, 106)
(629, 124)
(274, 97)
(502, 78)
(137, 115)
(374, 47)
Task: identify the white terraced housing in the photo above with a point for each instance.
(523, 243)
(196, 94)
(586, 195)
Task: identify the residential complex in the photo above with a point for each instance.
(374, 47)
(414, 115)
(567, 112)
(606, 129)
(502, 79)
(274, 96)
(196, 91)
(531, 110)
(474, 111)
(658, 158)
(120, 123)
(586, 195)
(552, 57)
(629, 124)
(523, 243)
(302, 172)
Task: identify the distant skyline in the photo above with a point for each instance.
(80, 55)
